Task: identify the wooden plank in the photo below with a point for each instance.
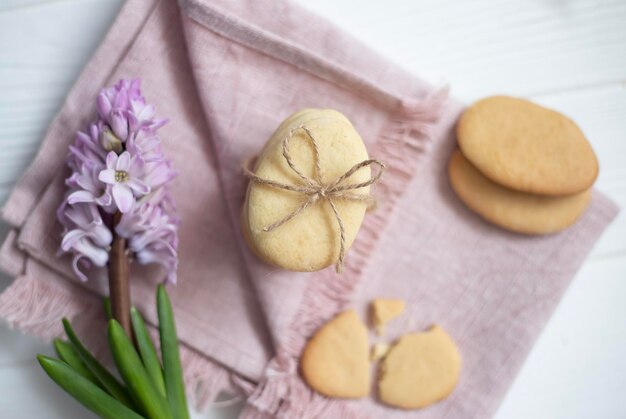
(37, 397)
(484, 47)
(14, 352)
(42, 50)
(577, 366)
(7, 6)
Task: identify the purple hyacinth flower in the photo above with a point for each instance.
(85, 187)
(86, 236)
(124, 173)
(146, 143)
(86, 149)
(118, 166)
(119, 124)
(158, 173)
(151, 231)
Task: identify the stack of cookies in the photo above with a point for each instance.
(521, 166)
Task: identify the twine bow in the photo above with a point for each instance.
(315, 189)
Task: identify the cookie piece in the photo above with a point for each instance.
(526, 147)
(378, 351)
(335, 361)
(512, 210)
(311, 240)
(384, 310)
(420, 369)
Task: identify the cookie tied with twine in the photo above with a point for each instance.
(309, 192)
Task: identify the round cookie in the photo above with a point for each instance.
(526, 147)
(512, 210)
(335, 362)
(311, 240)
(420, 369)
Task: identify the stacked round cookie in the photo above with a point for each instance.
(521, 166)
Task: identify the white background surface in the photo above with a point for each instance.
(569, 55)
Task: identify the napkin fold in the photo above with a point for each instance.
(227, 73)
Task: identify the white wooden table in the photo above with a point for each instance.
(569, 55)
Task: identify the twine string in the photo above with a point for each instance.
(315, 189)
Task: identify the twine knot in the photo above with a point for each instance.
(315, 189)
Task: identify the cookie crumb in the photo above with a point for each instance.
(379, 350)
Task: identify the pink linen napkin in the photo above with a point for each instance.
(227, 73)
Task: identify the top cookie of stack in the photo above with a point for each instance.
(526, 147)
(519, 161)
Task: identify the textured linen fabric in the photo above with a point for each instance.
(226, 73)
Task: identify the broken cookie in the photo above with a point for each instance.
(419, 369)
(335, 362)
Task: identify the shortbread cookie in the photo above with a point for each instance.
(309, 241)
(512, 210)
(526, 147)
(335, 361)
(420, 369)
(384, 310)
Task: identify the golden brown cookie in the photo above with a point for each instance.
(526, 147)
(311, 240)
(420, 369)
(512, 210)
(335, 362)
(384, 310)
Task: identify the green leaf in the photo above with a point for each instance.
(87, 393)
(106, 379)
(172, 369)
(147, 351)
(145, 394)
(67, 353)
(108, 310)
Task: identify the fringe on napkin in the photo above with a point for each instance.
(282, 394)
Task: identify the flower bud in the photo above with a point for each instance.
(119, 124)
(110, 142)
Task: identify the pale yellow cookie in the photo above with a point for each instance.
(384, 310)
(512, 210)
(311, 240)
(378, 351)
(526, 147)
(420, 369)
(335, 361)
